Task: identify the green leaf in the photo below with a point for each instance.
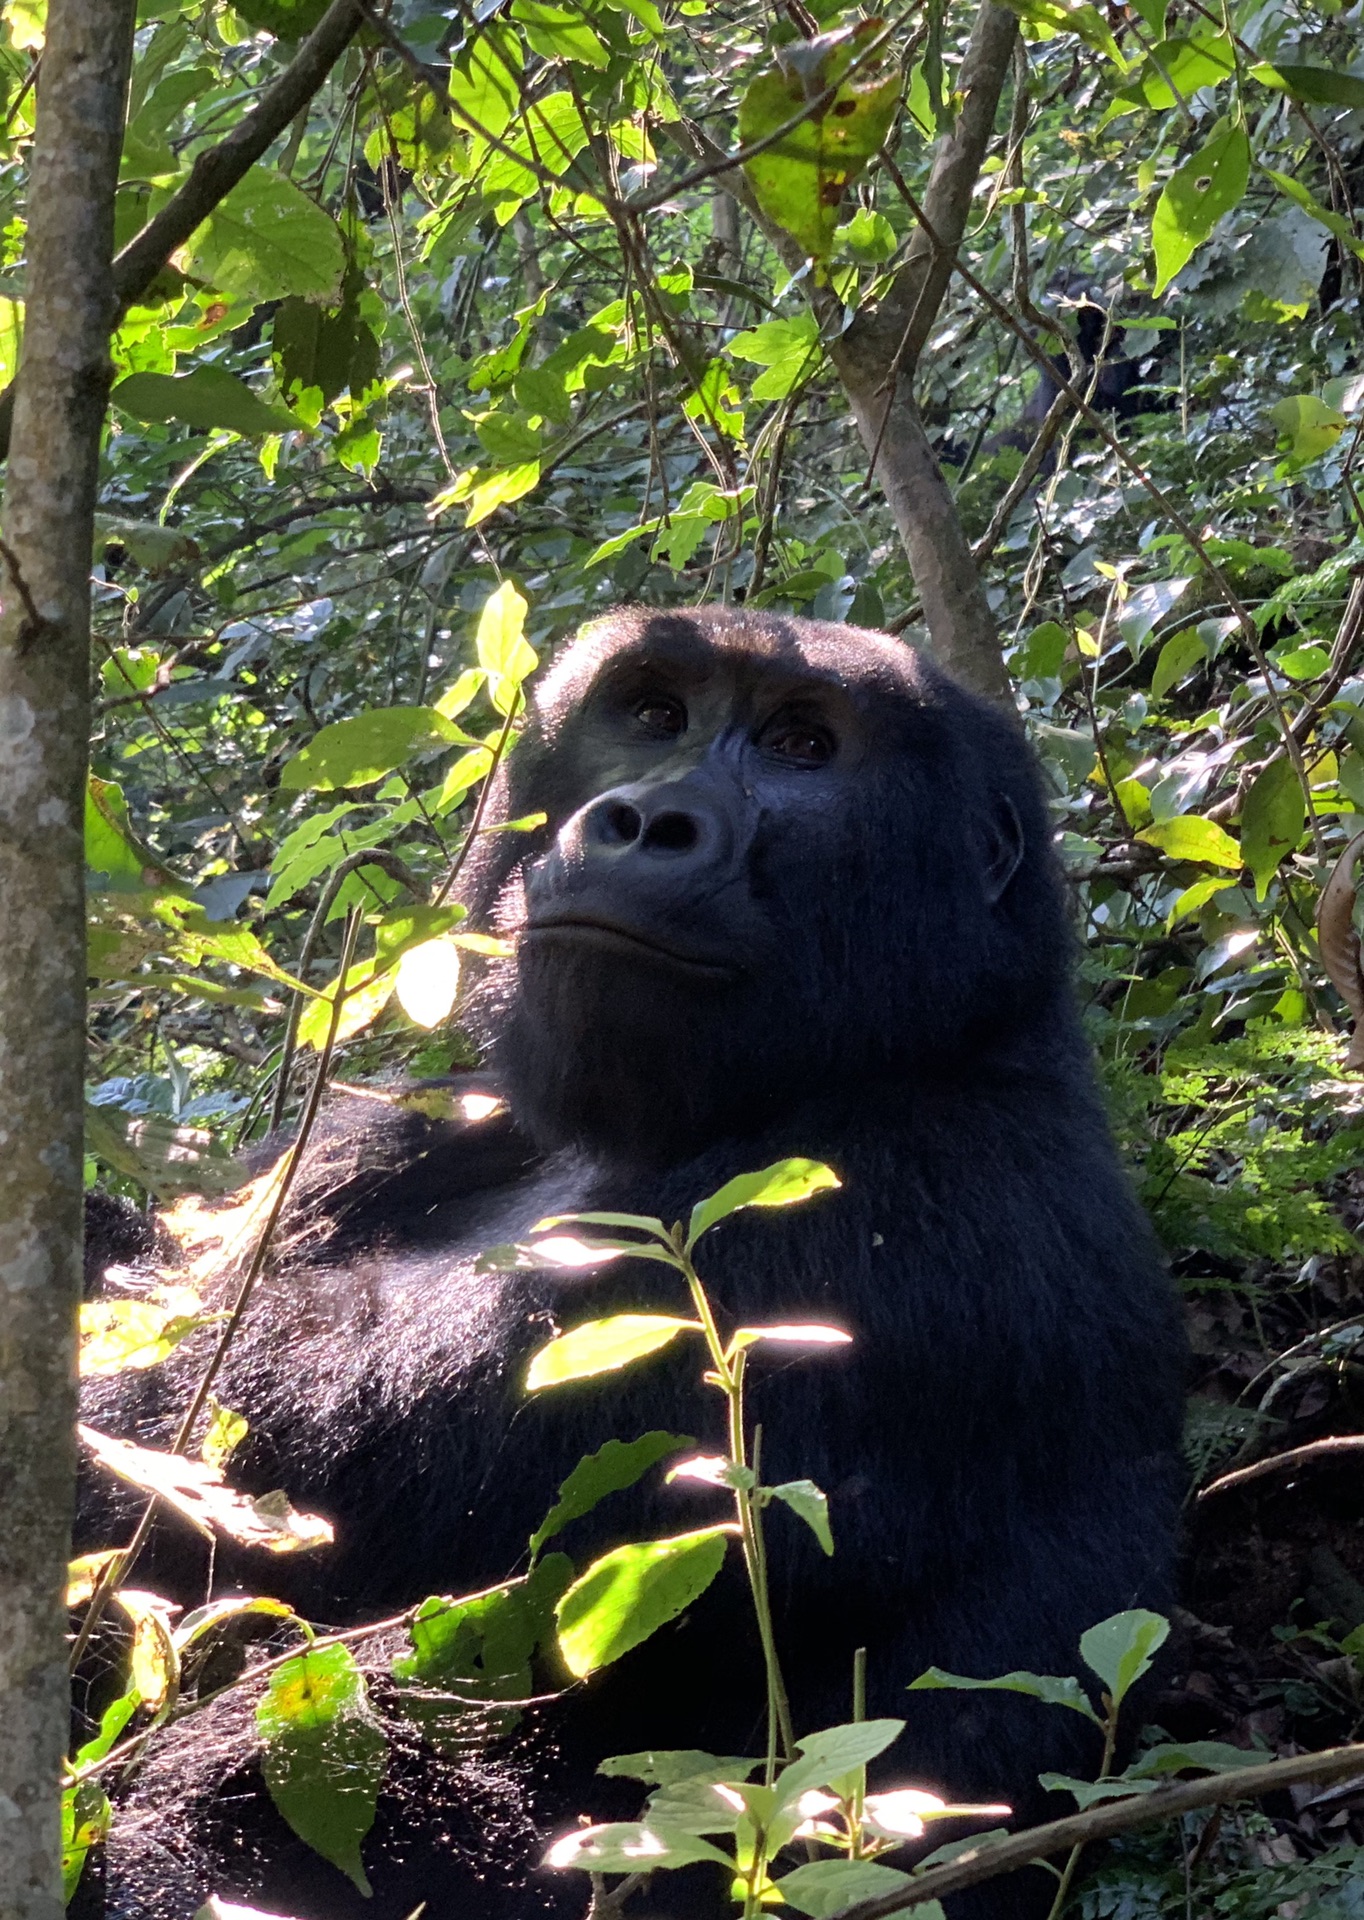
(210, 397)
(1187, 837)
(1321, 86)
(358, 751)
(1272, 821)
(561, 33)
(286, 19)
(266, 240)
(1196, 197)
(800, 181)
(630, 1593)
(613, 1467)
(485, 86)
(86, 1814)
(634, 1847)
(1302, 663)
(1042, 655)
(1050, 17)
(1178, 657)
(117, 1335)
(1053, 1690)
(109, 847)
(811, 1504)
(827, 1755)
(324, 1753)
(603, 1346)
(780, 1185)
(788, 349)
(1307, 427)
(1335, 223)
(1120, 1649)
(1207, 1756)
(483, 1644)
(1091, 1793)
(665, 1767)
(826, 1887)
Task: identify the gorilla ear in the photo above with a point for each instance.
(1004, 845)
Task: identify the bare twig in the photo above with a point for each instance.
(1314, 1450)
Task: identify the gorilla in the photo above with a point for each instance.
(795, 894)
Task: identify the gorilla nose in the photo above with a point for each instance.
(661, 825)
(672, 830)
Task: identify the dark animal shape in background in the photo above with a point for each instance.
(796, 895)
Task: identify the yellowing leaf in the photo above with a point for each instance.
(801, 179)
(198, 1492)
(1188, 837)
(325, 1753)
(504, 653)
(604, 1346)
(119, 1334)
(1307, 427)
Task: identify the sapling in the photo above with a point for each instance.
(819, 1794)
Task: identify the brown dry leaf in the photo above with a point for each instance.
(1339, 943)
(155, 1663)
(199, 1492)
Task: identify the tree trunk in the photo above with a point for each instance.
(48, 519)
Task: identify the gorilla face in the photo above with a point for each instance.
(777, 864)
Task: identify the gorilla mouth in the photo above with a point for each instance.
(610, 937)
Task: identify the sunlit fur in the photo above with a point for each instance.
(999, 1443)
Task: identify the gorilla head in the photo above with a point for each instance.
(784, 858)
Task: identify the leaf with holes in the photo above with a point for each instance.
(1196, 197)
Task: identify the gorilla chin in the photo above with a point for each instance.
(630, 1051)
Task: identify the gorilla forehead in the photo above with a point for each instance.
(751, 648)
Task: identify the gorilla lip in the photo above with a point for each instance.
(607, 934)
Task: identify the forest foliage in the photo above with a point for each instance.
(491, 341)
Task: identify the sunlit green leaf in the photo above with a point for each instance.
(603, 1346)
(1120, 1649)
(781, 1185)
(823, 1888)
(1190, 838)
(629, 1594)
(266, 240)
(357, 751)
(324, 1753)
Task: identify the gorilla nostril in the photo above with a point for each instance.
(672, 833)
(622, 824)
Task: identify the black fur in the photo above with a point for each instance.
(868, 966)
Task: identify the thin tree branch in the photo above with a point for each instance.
(1302, 1456)
(1101, 1822)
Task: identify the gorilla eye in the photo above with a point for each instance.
(660, 717)
(800, 743)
